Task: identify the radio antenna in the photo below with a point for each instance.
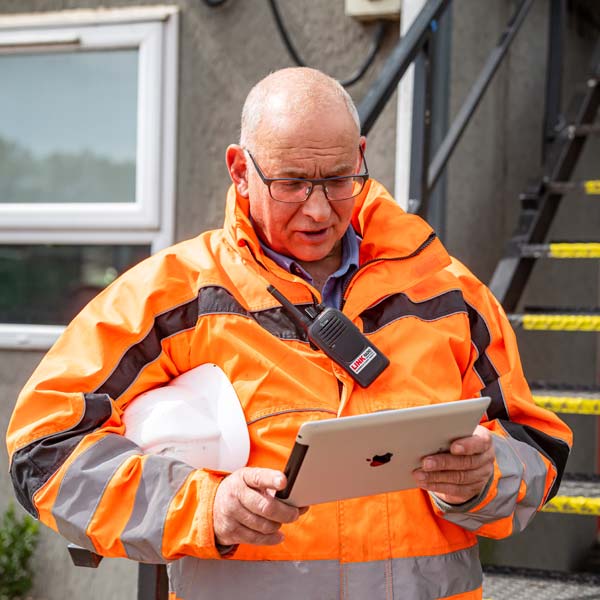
(290, 308)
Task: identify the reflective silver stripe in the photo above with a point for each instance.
(161, 480)
(372, 579)
(535, 480)
(516, 461)
(432, 577)
(418, 578)
(84, 483)
(194, 579)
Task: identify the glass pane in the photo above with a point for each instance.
(50, 284)
(68, 125)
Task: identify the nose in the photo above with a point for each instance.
(316, 206)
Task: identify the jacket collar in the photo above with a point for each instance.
(387, 231)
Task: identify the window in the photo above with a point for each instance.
(87, 157)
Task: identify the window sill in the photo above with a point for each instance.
(28, 337)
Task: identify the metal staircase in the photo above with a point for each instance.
(579, 493)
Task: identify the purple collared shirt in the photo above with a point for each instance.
(333, 289)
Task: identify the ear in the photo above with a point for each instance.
(238, 168)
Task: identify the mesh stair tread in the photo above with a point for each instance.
(580, 484)
(583, 249)
(505, 583)
(579, 494)
(567, 399)
(557, 319)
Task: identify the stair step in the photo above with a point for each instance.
(506, 583)
(591, 187)
(568, 403)
(553, 388)
(557, 319)
(562, 250)
(566, 397)
(578, 494)
(573, 131)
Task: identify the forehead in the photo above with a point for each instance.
(286, 135)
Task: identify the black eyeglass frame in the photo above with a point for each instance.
(314, 182)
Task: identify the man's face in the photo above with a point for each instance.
(326, 147)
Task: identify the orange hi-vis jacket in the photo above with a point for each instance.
(205, 301)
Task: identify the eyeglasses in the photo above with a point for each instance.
(296, 189)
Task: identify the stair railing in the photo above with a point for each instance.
(415, 47)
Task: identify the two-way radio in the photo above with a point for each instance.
(334, 333)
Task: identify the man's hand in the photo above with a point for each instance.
(462, 473)
(246, 511)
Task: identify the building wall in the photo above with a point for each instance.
(223, 52)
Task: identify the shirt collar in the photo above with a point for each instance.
(350, 256)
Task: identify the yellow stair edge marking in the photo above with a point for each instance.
(567, 404)
(592, 186)
(562, 322)
(575, 250)
(574, 505)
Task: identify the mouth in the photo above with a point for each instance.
(315, 234)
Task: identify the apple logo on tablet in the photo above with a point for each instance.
(380, 459)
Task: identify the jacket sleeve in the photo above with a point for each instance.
(531, 444)
(70, 464)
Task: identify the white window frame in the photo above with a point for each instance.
(153, 31)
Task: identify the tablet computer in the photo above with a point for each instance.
(373, 453)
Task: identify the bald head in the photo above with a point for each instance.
(300, 93)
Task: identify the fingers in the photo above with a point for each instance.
(461, 474)
(241, 526)
(267, 506)
(455, 487)
(455, 477)
(479, 442)
(246, 511)
(263, 479)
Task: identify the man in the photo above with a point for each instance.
(302, 215)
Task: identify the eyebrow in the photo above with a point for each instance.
(300, 174)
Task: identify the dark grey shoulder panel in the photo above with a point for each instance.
(218, 300)
(211, 300)
(480, 335)
(35, 463)
(398, 306)
(148, 349)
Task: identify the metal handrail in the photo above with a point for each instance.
(397, 63)
(474, 97)
(408, 49)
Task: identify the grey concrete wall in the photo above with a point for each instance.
(475, 202)
(232, 48)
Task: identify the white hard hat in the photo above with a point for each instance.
(196, 418)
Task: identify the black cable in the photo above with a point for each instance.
(284, 34)
(375, 45)
(213, 3)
